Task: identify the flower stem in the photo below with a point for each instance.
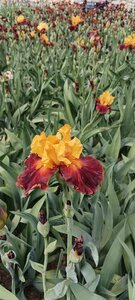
(13, 284)
(45, 266)
(69, 247)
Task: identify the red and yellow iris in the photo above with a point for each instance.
(75, 21)
(42, 27)
(60, 152)
(129, 42)
(103, 102)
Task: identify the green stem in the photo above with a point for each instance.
(69, 248)
(69, 238)
(45, 266)
(13, 284)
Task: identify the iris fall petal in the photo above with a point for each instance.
(85, 174)
(35, 174)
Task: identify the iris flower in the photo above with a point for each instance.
(60, 153)
(42, 27)
(75, 21)
(129, 42)
(20, 20)
(104, 101)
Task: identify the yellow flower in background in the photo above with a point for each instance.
(130, 40)
(80, 42)
(42, 27)
(20, 19)
(22, 34)
(32, 34)
(44, 38)
(75, 20)
(106, 98)
(3, 217)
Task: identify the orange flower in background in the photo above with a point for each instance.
(20, 19)
(129, 41)
(60, 152)
(32, 34)
(80, 42)
(42, 27)
(44, 38)
(104, 101)
(75, 21)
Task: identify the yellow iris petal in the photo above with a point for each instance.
(65, 131)
(106, 98)
(75, 20)
(42, 26)
(38, 144)
(56, 150)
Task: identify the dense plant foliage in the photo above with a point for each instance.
(60, 65)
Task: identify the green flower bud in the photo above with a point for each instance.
(77, 251)
(68, 210)
(43, 226)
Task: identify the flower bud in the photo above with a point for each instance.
(77, 251)
(43, 226)
(68, 209)
(11, 254)
(9, 260)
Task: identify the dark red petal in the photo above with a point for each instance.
(85, 175)
(122, 46)
(34, 175)
(103, 109)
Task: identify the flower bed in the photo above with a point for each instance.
(67, 140)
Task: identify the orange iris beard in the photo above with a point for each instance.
(60, 152)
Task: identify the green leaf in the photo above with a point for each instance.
(88, 131)
(114, 147)
(37, 267)
(58, 291)
(113, 200)
(51, 247)
(124, 169)
(112, 259)
(107, 227)
(36, 208)
(120, 286)
(131, 258)
(88, 273)
(71, 274)
(67, 104)
(80, 292)
(28, 217)
(3, 61)
(14, 140)
(131, 289)
(5, 294)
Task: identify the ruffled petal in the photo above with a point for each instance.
(35, 174)
(85, 174)
(103, 109)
